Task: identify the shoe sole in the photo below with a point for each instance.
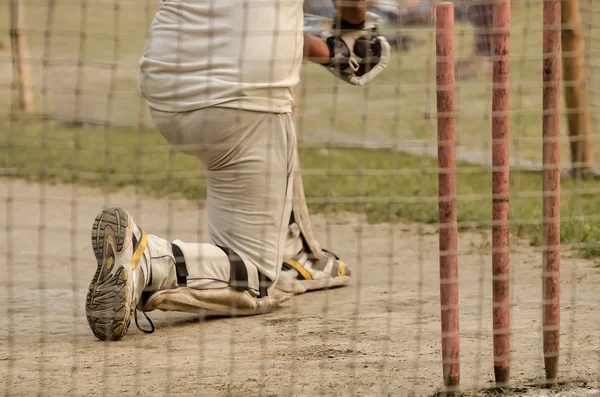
(108, 304)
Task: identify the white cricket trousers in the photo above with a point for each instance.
(249, 159)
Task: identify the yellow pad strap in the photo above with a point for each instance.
(137, 255)
(300, 269)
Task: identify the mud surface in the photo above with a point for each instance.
(378, 336)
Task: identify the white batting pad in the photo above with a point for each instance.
(208, 266)
(224, 301)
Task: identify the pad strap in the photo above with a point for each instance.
(238, 275)
(263, 284)
(180, 266)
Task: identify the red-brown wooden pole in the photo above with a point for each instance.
(501, 192)
(447, 195)
(551, 185)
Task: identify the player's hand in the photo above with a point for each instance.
(358, 53)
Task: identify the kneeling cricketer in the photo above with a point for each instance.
(218, 77)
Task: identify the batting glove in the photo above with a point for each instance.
(358, 53)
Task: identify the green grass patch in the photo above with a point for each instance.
(91, 51)
(385, 185)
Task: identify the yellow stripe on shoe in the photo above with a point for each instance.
(341, 269)
(137, 255)
(300, 269)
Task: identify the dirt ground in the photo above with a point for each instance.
(378, 336)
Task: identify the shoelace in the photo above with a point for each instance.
(149, 322)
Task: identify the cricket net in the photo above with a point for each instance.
(77, 137)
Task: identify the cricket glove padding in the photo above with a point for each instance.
(358, 53)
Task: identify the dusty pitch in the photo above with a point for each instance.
(379, 336)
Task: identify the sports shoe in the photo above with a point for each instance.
(302, 273)
(120, 247)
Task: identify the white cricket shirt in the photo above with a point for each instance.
(243, 54)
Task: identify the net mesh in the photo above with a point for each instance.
(368, 158)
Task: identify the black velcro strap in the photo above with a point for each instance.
(238, 275)
(180, 267)
(144, 298)
(264, 282)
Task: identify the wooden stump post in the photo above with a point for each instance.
(20, 55)
(578, 116)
